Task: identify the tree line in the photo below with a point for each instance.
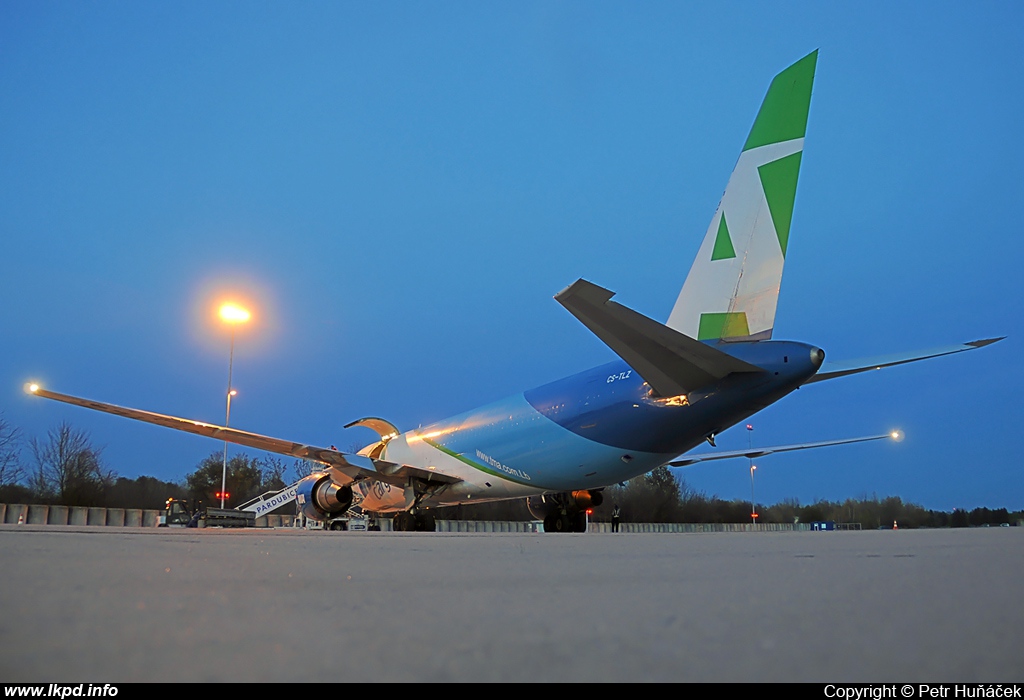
(660, 497)
(65, 468)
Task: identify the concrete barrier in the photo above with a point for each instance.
(15, 511)
(79, 515)
(261, 521)
(37, 514)
(472, 526)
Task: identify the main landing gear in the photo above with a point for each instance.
(566, 522)
(564, 512)
(407, 521)
(416, 519)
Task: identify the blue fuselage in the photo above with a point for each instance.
(603, 426)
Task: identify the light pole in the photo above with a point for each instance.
(231, 314)
(753, 508)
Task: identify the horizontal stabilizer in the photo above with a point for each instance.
(831, 370)
(756, 452)
(343, 466)
(670, 362)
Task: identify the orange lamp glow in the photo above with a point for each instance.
(232, 313)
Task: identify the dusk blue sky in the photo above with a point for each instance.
(399, 188)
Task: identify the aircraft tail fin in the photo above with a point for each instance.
(732, 289)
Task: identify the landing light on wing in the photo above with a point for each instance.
(31, 388)
(897, 435)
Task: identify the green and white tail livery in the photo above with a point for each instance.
(733, 287)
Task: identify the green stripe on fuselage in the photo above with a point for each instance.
(476, 465)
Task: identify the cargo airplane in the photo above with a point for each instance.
(674, 386)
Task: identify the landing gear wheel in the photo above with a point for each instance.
(404, 522)
(556, 522)
(425, 522)
(579, 522)
(338, 526)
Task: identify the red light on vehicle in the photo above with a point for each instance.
(590, 511)
(223, 495)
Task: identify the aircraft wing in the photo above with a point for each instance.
(831, 370)
(672, 363)
(353, 467)
(755, 452)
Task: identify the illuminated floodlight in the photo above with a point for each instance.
(233, 313)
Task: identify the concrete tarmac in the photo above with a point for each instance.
(106, 605)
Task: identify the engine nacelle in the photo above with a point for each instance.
(587, 499)
(319, 497)
(540, 506)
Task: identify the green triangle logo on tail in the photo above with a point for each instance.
(732, 289)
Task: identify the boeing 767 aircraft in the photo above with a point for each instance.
(675, 385)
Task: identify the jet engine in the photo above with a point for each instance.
(319, 497)
(587, 499)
